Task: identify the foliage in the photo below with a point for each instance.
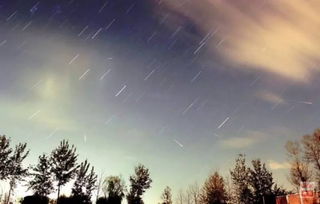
(139, 183)
(213, 190)
(311, 144)
(42, 183)
(35, 199)
(261, 181)
(279, 191)
(84, 183)
(239, 176)
(15, 167)
(65, 200)
(299, 170)
(64, 163)
(166, 196)
(5, 151)
(114, 189)
(102, 200)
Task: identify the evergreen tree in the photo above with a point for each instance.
(240, 178)
(166, 196)
(42, 183)
(279, 191)
(261, 181)
(64, 163)
(213, 191)
(139, 183)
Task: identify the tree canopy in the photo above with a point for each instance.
(42, 182)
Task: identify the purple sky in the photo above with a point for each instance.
(155, 82)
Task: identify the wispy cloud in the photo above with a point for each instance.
(278, 37)
(251, 138)
(270, 97)
(274, 165)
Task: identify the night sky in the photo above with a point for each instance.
(179, 86)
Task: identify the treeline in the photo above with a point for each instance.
(246, 185)
(248, 182)
(60, 167)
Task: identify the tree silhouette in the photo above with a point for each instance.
(166, 196)
(261, 181)
(231, 191)
(5, 151)
(139, 183)
(299, 170)
(42, 183)
(64, 163)
(91, 182)
(84, 183)
(239, 176)
(114, 189)
(213, 190)
(194, 193)
(279, 191)
(311, 144)
(16, 170)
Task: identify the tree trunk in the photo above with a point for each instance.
(58, 192)
(9, 194)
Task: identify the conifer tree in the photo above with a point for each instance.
(240, 178)
(261, 181)
(214, 191)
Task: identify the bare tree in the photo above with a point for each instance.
(299, 170)
(180, 197)
(188, 196)
(166, 196)
(194, 193)
(311, 144)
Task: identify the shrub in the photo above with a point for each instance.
(74, 200)
(64, 200)
(102, 200)
(35, 199)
